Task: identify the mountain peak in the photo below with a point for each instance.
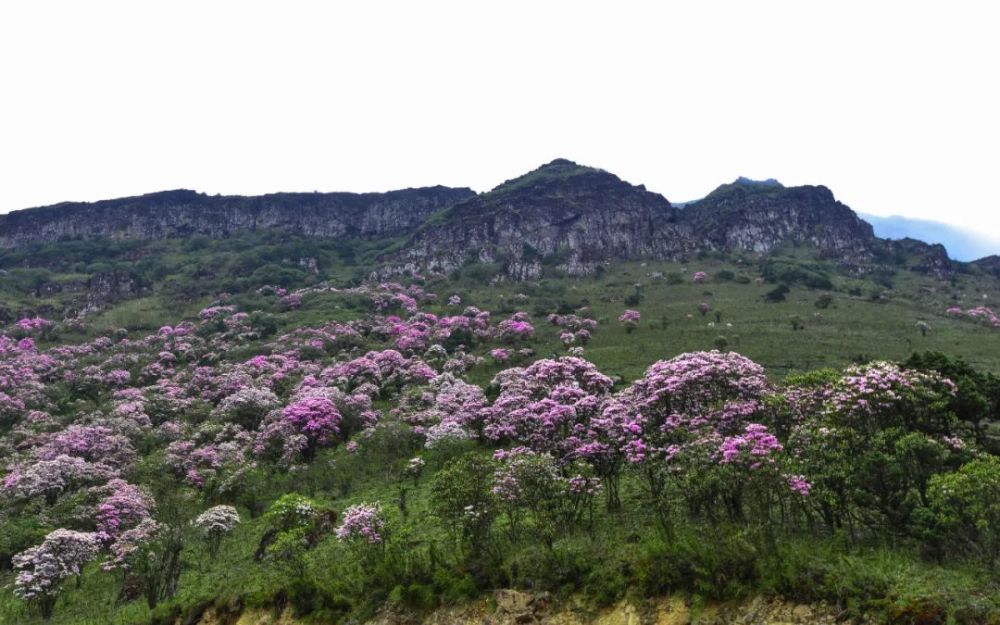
(750, 182)
(555, 171)
(744, 185)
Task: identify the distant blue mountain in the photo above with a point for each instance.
(961, 244)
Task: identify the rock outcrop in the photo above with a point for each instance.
(561, 214)
(761, 216)
(185, 213)
(512, 607)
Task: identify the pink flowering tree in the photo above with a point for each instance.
(52, 478)
(93, 443)
(247, 407)
(873, 440)
(532, 494)
(122, 507)
(612, 441)
(363, 523)
(517, 329)
(546, 405)
(630, 320)
(300, 429)
(686, 406)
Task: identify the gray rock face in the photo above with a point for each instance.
(576, 217)
(111, 286)
(760, 217)
(929, 258)
(185, 213)
(561, 214)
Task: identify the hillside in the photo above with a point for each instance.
(532, 405)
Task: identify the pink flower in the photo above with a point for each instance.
(363, 523)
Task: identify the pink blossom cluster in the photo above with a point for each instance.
(981, 314)
(755, 446)
(215, 311)
(33, 324)
(798, 484)
(630, 318)
(363, 523)
(292, 301)
(123, 506)
(546, 405)
(517, 328)
(50, 478)
(881, 387)
(127, 549)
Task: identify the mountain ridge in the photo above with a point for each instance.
(561, 214)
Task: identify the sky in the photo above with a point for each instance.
(893, 105)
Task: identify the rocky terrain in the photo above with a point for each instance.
(184, 213)
(512, 607)
(561, 215)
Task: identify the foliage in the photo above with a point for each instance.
(468, 451)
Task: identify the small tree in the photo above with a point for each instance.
(363, 523)
(630, 319)
(42, 569)
(461, 497)
(149, 555)
(215, 523)
(777, 294)
(824, 301)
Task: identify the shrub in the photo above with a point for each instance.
(777, 294)
(966, 506)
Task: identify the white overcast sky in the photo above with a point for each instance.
(894, 106)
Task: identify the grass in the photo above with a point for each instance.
(852, 328)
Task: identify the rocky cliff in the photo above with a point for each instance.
(561, 215)
(760, 216)
(185, 213)
(575, 218)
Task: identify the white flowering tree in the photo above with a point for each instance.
(215, 523)
(42, 569)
